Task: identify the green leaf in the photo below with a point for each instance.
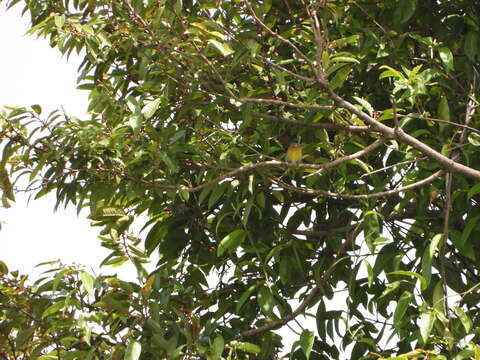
(217, 347)
(464, 319)
(371, 229)
(276, 249)
(423, 282)
(3, 268)
(340, 77)
(37, 108)
(149, 109)
(224, 48)
(59, 21)
(404, 11)
(184, 194)
(401, 309)
(135, 122)
(428, 256)
(52, 309)
(133, 105)
(369, 272)
(447, 57)
(216, 194)
(231, 241)
(306, 342)
(473, 191)
(425, 323)
(390, 72)
(244, 297)
(344, 59)
(246, 346)
(204, 193)
(365, 104)
(134, 349)
(438, 300)
(471, 47)
(443, 110)
(471, 223)
(266, 301)
(87, 281)
(474, 139)
(23, 335)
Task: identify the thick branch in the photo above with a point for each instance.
(390, 133)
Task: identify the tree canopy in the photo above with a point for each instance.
(192, 106)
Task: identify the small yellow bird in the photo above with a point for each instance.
(294, 153)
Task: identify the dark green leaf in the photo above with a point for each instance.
(404, 11)
(231, 241)
(401, 308)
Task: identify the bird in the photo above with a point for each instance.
(294, 153)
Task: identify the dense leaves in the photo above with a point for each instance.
(192, 107)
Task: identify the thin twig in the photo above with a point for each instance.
(394, 165)
(320, 125)
(285, 103)
(316, 192)
(278, 36)
(358, 154)
(442, 121)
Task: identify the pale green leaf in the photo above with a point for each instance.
(247, 347)
(149, 109)
(447, 57)
(423, 282)
(59, 21)
(365, 104)
(87, 281)
(464, 318)
(425, 323)
(306, 342)
(134, 349)
(224, 48)
(231, 241)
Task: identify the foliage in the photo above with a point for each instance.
(192, 107)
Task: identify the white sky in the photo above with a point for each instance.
(31, 72)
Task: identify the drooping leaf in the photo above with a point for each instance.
(306, 342)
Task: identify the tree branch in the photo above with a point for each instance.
(444, 161)
(324, 125)
(278, 36)
(307, 191)
(358, 154)
(280, 102)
